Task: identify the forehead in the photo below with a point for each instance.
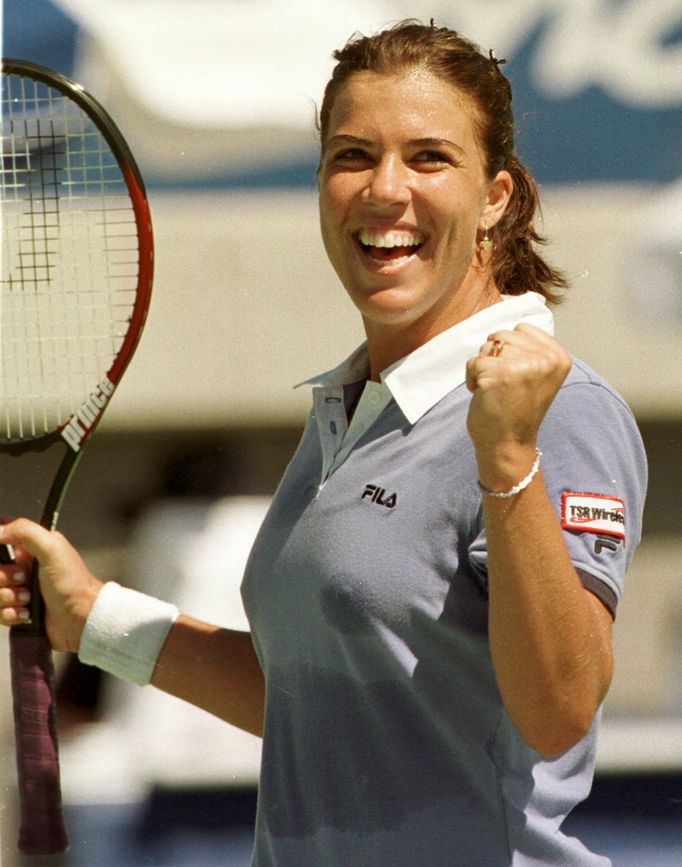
(415, 101)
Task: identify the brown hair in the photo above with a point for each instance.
(516, 266)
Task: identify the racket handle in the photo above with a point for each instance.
(42, 830)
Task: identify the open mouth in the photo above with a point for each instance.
(391, 246)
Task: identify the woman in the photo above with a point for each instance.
(430, 605)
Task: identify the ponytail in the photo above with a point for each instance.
(516, 265)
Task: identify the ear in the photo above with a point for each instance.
(499, 193)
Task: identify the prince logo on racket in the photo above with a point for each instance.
(80, 424)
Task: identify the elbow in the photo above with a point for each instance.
(564, 718)
(557, 734)
(550, 745)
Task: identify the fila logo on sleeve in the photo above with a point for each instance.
(593, 513)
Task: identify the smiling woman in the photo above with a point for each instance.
(430, 627)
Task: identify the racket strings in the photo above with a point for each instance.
(70, 258)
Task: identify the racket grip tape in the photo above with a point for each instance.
(42, 830)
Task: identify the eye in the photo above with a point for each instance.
(350, 155)
(432, 158)
(346, 159)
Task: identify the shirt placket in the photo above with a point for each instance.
(337, 437)
(332, 424)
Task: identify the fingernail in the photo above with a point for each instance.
(19, 578)
(24, 616)
(24, 596)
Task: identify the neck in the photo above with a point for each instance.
(389, 343)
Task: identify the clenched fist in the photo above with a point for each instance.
(513, 380)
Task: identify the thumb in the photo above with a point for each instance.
(471, 378)
(34, 539)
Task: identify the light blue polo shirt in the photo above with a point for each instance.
(385, 742)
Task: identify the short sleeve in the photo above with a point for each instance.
(595, 471)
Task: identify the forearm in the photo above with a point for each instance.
(129, 634)
(146, 640)
(215, 669)
(549, 637)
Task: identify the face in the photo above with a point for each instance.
(403, 194)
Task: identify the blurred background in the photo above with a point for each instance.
(217, 100)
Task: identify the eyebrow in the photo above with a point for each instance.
(435, 142)
(430, 141)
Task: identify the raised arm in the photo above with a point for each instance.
(550, 638)
(212, 668)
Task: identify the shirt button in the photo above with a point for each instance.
(374, 398)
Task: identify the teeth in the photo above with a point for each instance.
(389, 239)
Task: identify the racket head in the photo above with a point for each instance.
(77, 259)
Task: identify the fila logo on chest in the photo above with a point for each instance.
(379, 496)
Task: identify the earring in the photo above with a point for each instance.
(485, 243)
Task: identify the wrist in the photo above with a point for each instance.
(503, 466)
(80, 615)
(125, 631)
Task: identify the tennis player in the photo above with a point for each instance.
(432, 592)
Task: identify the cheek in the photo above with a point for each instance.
(330, 229)
(329, 208)
(462, 217)
(334, 193)
(335, 204)
(326, 222)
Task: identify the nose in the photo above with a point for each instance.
(388, 183)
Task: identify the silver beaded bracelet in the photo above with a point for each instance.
(504, 495)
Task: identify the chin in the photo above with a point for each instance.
(390, 305)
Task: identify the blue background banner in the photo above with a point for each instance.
(590, 133)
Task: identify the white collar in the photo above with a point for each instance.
(421, 379)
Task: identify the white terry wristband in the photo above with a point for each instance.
(125, 631)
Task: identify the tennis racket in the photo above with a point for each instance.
(77, 263)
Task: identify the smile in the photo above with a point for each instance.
(391, 246)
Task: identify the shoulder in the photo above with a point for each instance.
(588, 402)
(591, 424)
(584, 383)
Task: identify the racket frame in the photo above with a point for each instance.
(29, 641)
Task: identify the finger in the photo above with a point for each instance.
(14, 616)
(10, 596)
(12, 571)
(36, 540)
(502, 341)
(15, 564)
(506, 340)
(533, 344)
(492, 347)
(14, 603)
(538, 342)
(480, 371)
(471, 373)
(529, 338)
(13, 575)
(535, 333)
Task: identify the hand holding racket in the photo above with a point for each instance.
(77, 263)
